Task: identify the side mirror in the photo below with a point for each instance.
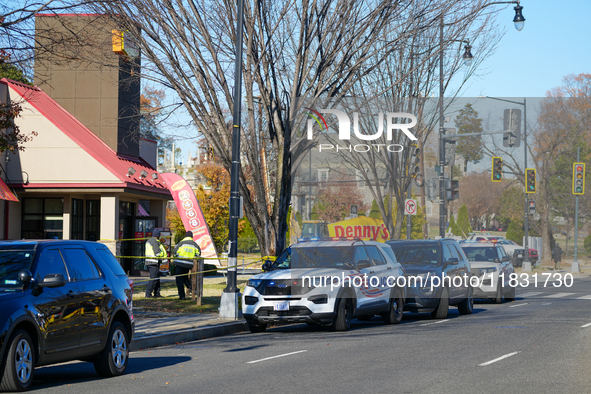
(506, 259)
(53, 280)
(25, 276)
(452, 261)
(363, 264)
(267, 265)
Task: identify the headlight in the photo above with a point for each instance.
(254, 282)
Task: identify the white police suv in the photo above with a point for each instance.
(326, 282)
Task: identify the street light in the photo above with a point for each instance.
(467, 57)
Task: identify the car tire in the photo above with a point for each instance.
(112, 361)
(443, 307)
(511, 295)
(466, 307)
(396, 309)
(342, 321)
(19, 363)
(499, 296)
(256, 328)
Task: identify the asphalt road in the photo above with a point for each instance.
(540, 343)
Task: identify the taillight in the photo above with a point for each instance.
(130, 297)
(130, 283)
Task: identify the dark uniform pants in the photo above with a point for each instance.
(154, 283)
(182, 281)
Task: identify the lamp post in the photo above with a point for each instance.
(229, 300)
(519, 21)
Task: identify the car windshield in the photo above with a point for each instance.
(480, 253)
(417, 254)
(318, 257)
(11, 262)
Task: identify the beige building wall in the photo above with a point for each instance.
(52, 157)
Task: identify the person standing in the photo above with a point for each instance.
(185, 252)
(154, 253)
(557, 255)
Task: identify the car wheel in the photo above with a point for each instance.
(19, 363)
(443, 307)
(394, 314)
(342, 321)
(499, 295)
(466, 307)
(511, 295)
(112, 361)
(256, 328)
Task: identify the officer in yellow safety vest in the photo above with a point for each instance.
(154, 249)
(185, 252)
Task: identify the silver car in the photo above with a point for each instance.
(490, 263)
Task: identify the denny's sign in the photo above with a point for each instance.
(362, 227)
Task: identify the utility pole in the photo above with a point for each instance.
(575, 266)
(229, 300)
(442, 209)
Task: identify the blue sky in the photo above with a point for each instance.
(553, 44)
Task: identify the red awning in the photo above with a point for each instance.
(5, 192)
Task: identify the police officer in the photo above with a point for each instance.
(185, 252)
(154, 249)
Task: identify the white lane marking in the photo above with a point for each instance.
(515, 306)
(587, 297)
(586, 325)
(530, 294)
(281, 355)
(546, 303)
(437, 322)
(497, 359)
(559, 295)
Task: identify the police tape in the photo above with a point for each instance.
(170, 258)
(131, 239)
(212, 270)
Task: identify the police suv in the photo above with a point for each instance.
(326, 282)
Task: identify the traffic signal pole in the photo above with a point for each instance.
(575, 265)
(526, 266)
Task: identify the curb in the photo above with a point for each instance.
(190, 334)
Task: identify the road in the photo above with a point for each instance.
(540, 343)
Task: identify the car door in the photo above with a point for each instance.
(379, 270)
(57, 309)
(360, 254)
(95, 295)
(452, 269)
(506, 267)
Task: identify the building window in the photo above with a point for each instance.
(77, 219)
(322, 176)
(43, 218)
(93, 220)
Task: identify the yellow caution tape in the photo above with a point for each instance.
(202, 272)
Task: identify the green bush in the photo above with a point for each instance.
(587, 243)
(515, 232)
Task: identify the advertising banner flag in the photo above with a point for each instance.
(191, 214)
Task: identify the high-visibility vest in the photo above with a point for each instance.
(150, 253)
(187, 249)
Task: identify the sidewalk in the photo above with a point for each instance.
(159, 329)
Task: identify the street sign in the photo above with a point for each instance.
(353, 211)
(410, 207)
(512, 122)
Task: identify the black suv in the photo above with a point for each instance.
(61, 301)
(426, 263)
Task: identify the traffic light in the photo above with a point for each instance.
(497, 169)
(414, 159)
(453, 189)
(578, 178)
(532, 207)
(530, 180)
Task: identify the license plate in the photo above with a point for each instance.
(281, 306)
(519, 255)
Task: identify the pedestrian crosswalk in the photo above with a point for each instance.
(539, 294)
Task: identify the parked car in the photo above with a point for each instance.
(292, 289)
(62, 301)
(484, 238)
(434, 258)
(533, 255)
(491, 264)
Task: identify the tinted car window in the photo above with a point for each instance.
(376, 256)
(80, 264)
(388, 251)
(481, 253)
(446, 253)
(50, 262)
(454, 251)
(460, 252)
(360, 254)
(11, 262)
(427, 254)
(107, 258)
